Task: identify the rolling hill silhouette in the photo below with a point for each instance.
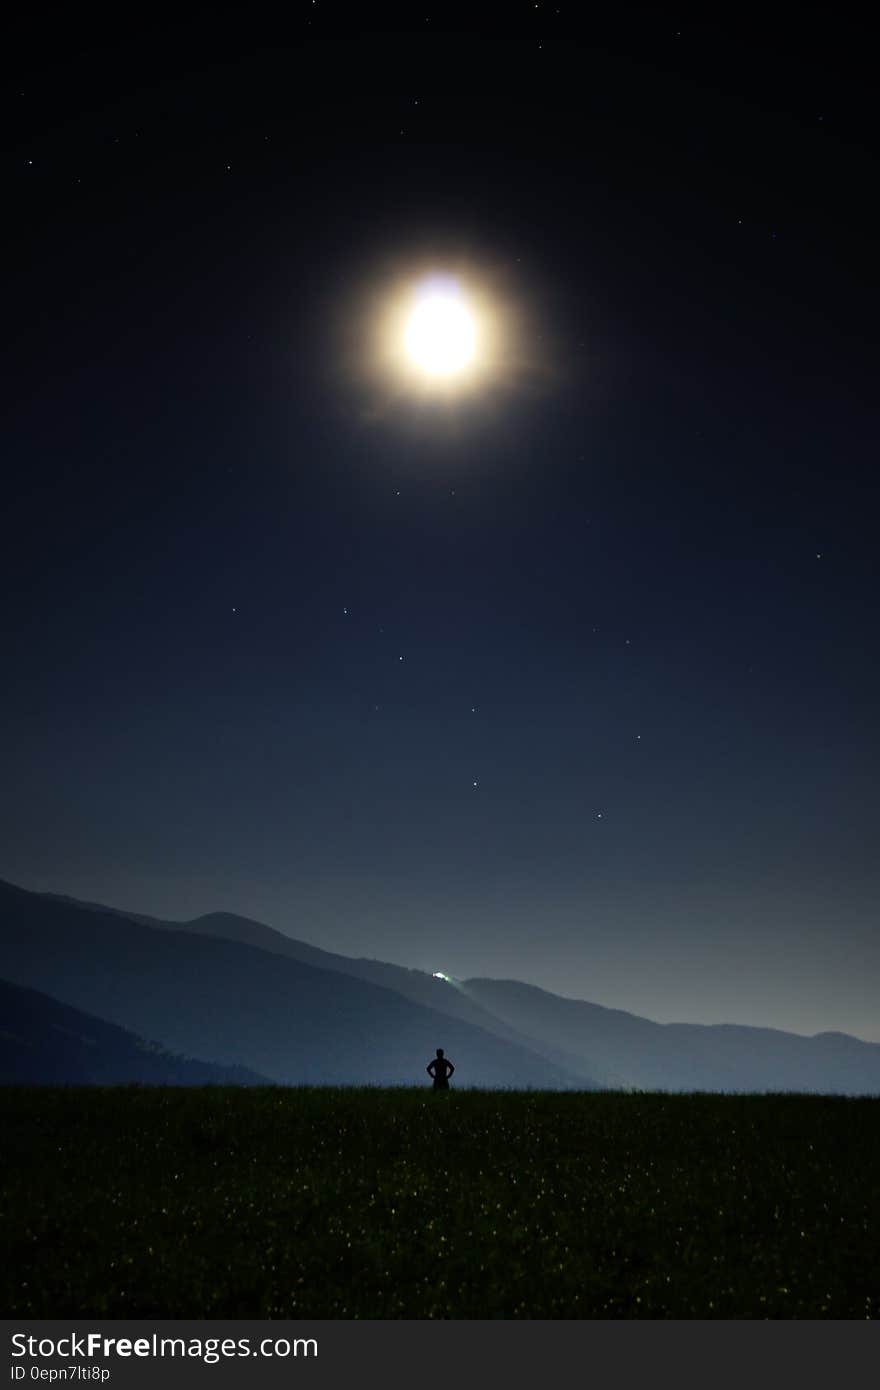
(43, 1041)
(582, 1043)
(627, 1050)
(232, 1003)
(447, 997)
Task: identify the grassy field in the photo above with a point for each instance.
(366, 1203)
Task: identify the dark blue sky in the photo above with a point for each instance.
(636, 606)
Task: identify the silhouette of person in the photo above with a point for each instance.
(440, 1069)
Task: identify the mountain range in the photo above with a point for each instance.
(251, 1003)
(45, 1042)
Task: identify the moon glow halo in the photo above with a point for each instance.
(438, 342)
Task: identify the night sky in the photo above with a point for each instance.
(573, 679)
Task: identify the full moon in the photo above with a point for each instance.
(440, 334)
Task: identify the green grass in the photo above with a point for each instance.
(359, 1203)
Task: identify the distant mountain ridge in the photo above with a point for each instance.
(637, 1052)
(415, 985)
(237, 1004)
(583, 1044)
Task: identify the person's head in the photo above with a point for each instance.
(439, 1051)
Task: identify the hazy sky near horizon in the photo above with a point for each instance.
(575, 681)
